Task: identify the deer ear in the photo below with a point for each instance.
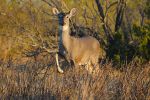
(73, 12)
(55, 11)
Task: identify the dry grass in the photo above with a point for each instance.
(38, 80)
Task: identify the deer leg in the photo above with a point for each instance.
(57, 62)
(67, 57)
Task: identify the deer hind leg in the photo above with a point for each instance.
(57, 62)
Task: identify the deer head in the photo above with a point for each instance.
(64, 17)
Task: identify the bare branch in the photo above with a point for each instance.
(105, 27)
(100, 9)
(120, 13)
(51, 5)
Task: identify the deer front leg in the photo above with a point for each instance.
(57, 62)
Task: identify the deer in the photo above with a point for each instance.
(80, 50)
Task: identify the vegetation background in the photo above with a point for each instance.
(29, 38)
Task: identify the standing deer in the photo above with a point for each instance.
(82, 51)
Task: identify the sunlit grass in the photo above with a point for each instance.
(37, 80)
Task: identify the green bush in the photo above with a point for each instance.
(120, 51)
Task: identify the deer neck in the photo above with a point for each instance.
(66, 36)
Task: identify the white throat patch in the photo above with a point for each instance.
(65, 27)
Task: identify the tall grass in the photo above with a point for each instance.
(38, 80)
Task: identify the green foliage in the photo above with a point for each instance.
(142, 34)
(147, 9)
(119, 50)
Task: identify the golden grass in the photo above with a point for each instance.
(40, 80)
